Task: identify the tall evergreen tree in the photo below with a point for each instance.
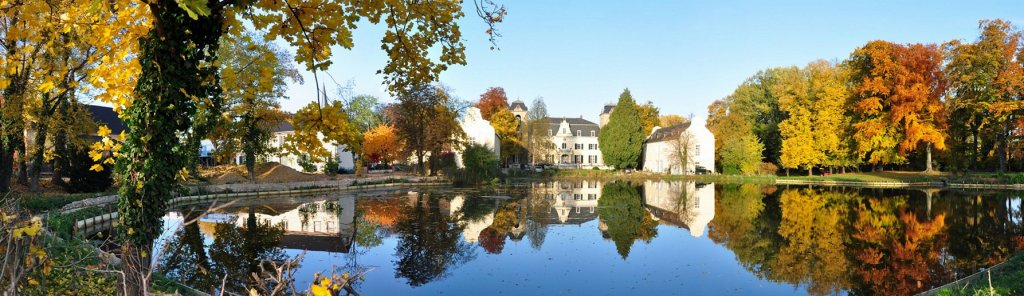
(623, 136)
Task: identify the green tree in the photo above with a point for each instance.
(757, 101)
(426, 123)
(622, 210)
(481, 163)
(737, 149)
(622, 138)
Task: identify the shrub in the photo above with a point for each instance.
(331, 167)
(481, 165)
(767, 169)
(307, 164)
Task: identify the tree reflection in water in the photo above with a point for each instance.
(622, 210)
(429, 243)
(865, 242)
(236, 253)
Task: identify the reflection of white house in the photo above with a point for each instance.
(665, 148)
(572, 202)
(686, 204)
(316, 226)
(478, 131)
(471, 232)
(345, 158)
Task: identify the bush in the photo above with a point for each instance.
(82, 179)
(767, 169)
(331, 167)
(307, 164)
(481, 165)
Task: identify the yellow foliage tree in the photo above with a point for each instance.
(315, 125)
(382, 144)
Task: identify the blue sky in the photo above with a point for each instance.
(681, 55)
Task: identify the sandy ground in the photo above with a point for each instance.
(265, 173)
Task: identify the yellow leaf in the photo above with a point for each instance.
(104, 131)
(318, 290)
(45, 86)
(96, 168)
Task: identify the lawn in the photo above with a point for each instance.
(1006, 279)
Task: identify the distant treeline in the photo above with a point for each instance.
(887, 106)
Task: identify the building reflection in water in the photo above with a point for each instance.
(326, 225)
(685, 204)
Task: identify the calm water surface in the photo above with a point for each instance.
(617, 238)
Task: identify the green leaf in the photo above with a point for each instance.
(194, 8)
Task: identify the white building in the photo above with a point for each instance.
(345, 158)
(663, 149)
(478, 131)
(575, 141)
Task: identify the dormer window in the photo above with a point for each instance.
(549, 133)
(593, 133)
(579, 133)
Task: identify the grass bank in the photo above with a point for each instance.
(1007, 278)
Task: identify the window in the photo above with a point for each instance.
(591, 196)
(577, 196)
(696, 150)
(592, 184)
(565, 146)
(592, 159)
(330, 226)
(316, 226)
(549, 133)
(578, 146)
(579, 133)
(577, 210)
(593, 133)
(577, 158)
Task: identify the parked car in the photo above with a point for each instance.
(538, 168)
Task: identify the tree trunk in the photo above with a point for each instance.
(810, 172)
(22, 160)
(6, 167)
(37, 157)
(419, 157)
(928, 157)
(136, 268)
(250, 166)
(1002, 151)
(60, 149)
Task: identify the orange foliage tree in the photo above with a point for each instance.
(381, 144)
(492, 101)
(896, 100)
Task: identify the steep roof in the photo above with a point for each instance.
(284, 126)
(574, 124)
(106, 116)
(608, 109)
(517, 104)
(668, 133)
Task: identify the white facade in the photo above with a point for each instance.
(478, 131)
(662, 149)
(345, 158)
(576, 144)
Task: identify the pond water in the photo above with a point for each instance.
(614, 238)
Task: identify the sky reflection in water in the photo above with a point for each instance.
(610, 238)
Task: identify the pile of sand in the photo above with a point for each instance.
(230, 178)
(271, 172)
(277, 173)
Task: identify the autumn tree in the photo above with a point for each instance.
(254, 75)
(737, 148)
(425, 122)
(986, 82)
(897, 103)
(757, 101)
(492, 101)
(622, 138)
(649, 117)
(315, 125)
(174, 67)
(814, 100)
(506, 125)
(668, 120)
(538, 137)
(381, 144)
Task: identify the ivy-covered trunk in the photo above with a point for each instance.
(176, 59)
(11, 127)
